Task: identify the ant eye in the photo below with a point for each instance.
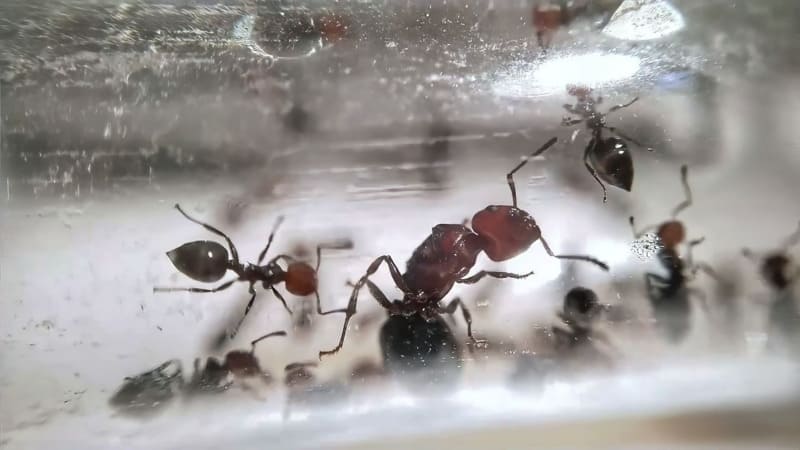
(205, 261)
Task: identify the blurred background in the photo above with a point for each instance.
(373, 121)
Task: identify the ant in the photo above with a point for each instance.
(581, 307)
(777, 270)
(209, 261)
(548, 18)
(669, 295)
(606, 158)
(145, 393)
(445, 257)
(238, 365)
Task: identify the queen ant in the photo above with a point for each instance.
(669, 295)
(606, 158)
(777, 270)
(209, 261)
(445, 257)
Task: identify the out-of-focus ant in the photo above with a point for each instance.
(209, 261)
(445, 257)
(780, 274)
(238, 367)
(606, 158)
(549, 16)
(145, 394)
(669, 295)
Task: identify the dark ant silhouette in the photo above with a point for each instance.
(209, 261)
(238, 366)
(669, 295)
(144, 394)
(606, 158)
(445, 257)
(777, 270)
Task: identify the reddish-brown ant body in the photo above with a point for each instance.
(669, 296)
(238, 366)
(778, 271)
(606, 158)
(209, 261)
(445, 257)
(549, 17)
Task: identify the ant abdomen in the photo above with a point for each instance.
(613, 161)
(205, 261)
(301, 279)
(242, 364)
(506, 230)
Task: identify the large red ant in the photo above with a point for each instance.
(209, 261)
(607, 159)
(669, 295)
(445, 257)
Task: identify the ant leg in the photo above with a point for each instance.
(346, 244)
(246, 311)
(234, 253)
(588, 259)
(586, 153)
(282, 300)
(378, 295)
(484, 273)
(793, 238)
(623, 105)
(269, 239)
(351, 305)
(687, 191)
(624, 136)
(221, 287)
(701, 296)
(451, 308)
(706, 269)
(510, 175)
(569, 121)
(267, 336)
(325, 313)
(640, 233)
(689, 247)
(572, 109)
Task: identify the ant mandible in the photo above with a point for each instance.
(776, 269)
(238, 365)
(445, 257)
(669, 296)
(606, 158)
(209, 261)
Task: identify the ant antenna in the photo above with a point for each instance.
(234, 253)
(793, 238)
(263, 253)
(510, 175)
(686, 189)
(299, 365)
(751, 255)
(267, 336)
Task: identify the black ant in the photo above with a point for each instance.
(145, 393)
(445, 257)
(777, 270)
(606, 158)
(669, 295)
(238, 366)
(209, 261)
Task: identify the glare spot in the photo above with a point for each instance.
(646, 246)
(552, 76)
(641, 20)
(210, 254)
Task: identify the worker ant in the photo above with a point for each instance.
(669, 295)
(445, 257)
(777, 270)
(606, 158)
(238, 366)
(549, 17)
(144, 394)
(209, 261)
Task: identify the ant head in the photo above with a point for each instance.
(775, 269)
(205, 261)
(613, 162)
(581, 92)
(301, 279)
(506, 230)
(580, 304)
(242, 364)
(671, 234)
